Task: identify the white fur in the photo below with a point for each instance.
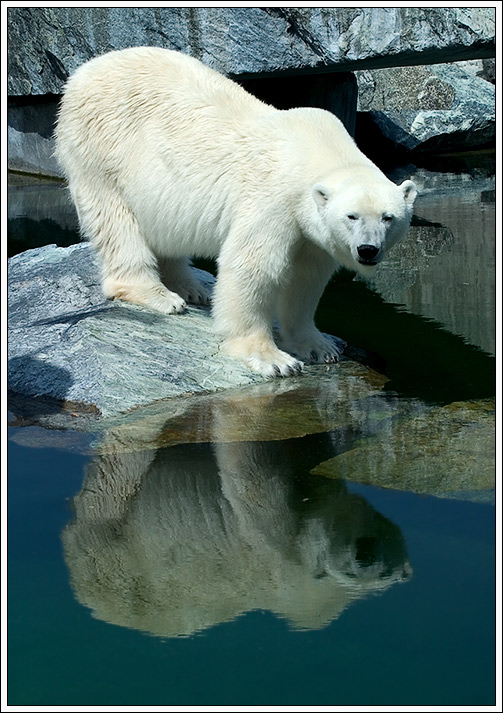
(167, 159)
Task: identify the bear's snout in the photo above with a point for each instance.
(367, 254)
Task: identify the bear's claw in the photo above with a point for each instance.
(316, 348)
(287, 370)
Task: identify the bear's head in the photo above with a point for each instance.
(361, 215)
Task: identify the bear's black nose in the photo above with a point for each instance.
(367, 253)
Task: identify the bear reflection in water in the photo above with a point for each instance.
(180, 539)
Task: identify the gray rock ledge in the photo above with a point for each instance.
(68, 344)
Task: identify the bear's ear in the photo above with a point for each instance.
(321, 194)
(409, 191)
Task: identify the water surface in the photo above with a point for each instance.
(328, 546)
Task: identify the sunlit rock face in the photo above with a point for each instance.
(307, 54)
(442, 107)
(47, 44)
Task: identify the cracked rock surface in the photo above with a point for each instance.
(69, 344)
(47, 44)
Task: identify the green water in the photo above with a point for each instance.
(350, 561)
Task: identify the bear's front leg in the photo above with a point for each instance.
(243, 308)
(311, 269)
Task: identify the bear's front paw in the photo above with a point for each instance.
(278, 364)
(263, 357)
(316, 348)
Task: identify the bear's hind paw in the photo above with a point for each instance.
(194, 293)
(159, 299)
(327, 350)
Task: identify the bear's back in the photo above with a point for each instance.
(146, 79)
(148, 97)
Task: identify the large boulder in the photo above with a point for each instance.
(46, 44)
(265, 48)
(68, 344)
(438, 108)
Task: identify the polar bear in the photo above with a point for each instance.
(167, 159)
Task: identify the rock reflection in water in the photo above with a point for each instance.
(343, 397)
(40, 212)
(447, 273)
(177, 540)
(446, 451)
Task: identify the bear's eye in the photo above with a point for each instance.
(352, 216)
(387, 218)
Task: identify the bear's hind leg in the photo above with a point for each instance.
(177, 275)
(129, 268)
